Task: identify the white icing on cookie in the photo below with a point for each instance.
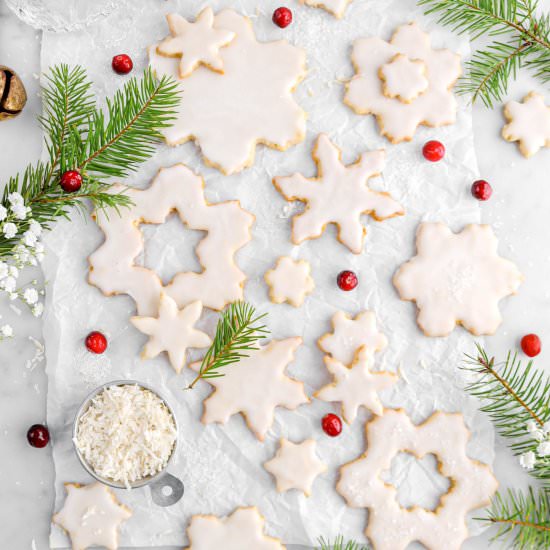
(255, 386)
(242, 530)
(356, 386)
(295, 466)
(457, 278)
(251, 102)
(528, 123)
(196, 43)
(173, 331)
(391, 527)
(290, 281)
(112, 267)
(91, 516)
(351, 334)
(398, 121)
(339, 195)
(403, 78)
(336, 7)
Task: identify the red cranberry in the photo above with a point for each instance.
(433, 151)
(531, 345)
(38, 436)
(96, 342)
(282, 17)
(347, 280)
(71, 181)
(482, 190)
(332, 425)
(122, 63)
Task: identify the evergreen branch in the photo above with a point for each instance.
(237, 333)
(340, 544)
(523, 517)
(525, 42)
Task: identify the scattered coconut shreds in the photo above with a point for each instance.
(126, 434)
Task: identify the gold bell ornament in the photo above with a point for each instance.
(12, 94)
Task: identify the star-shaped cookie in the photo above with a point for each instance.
(356, 386)
(295, 466)
(173, 331)
(528, 124)
(91, 516)
(196, 43)
(339, 195)
(349, 335)
(242, 530)
(255, 386)
(290, 281)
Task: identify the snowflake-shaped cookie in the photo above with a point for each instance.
(173, 331)
(196, 43)
(251, 102)
(391, 527)
(91, 515)
(290, 281)
(457, 278)
(339, 195)
(528, 123)
(356, 385)
(295, 466)
(417, 81)
(255, 387)
(336, 7)
(349, 335)
(242, 530)
(112, 267)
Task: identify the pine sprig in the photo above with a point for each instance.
(512, 396)
(523, 517)
(521, 39)
(340, 544)
(238, 332)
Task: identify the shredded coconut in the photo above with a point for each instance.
(126, 434)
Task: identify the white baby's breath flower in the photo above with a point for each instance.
(38, 309)
(13, 271)
(546, 427)
(15, 198)
(35, 228)
(10, 230)
(20, 211)
(8, 284)
(13, 296)
(532, 426)
(29, 238)
(30, 295)
(527, 460)
(3, 212)
(538, 435)
(6, 331)
(543, 449)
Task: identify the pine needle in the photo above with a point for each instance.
(238, 332)
(340, 544)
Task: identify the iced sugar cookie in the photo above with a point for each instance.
(173, 331)
(255, 387)
(242, 530)
(290, 281)
(404, 82)
(336, 7)
(528, 124)
(391, 527)
(338, 195)
(356, 385)
(196, 43)
(112, 266)
(349, 334)
(252, 102)
(457, 278)
(91, 516)
(295, 466)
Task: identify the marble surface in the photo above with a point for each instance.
(517, 210)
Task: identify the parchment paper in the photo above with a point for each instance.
(221, 466)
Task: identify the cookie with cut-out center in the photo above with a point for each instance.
(289, 281)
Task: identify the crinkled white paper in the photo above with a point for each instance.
(221, 466)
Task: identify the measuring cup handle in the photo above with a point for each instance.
(167, 490)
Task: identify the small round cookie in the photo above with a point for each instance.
(295, 466)
(91, 515)
(457, 278)
(290, 281)
(528, 124)
(392, 527)
(242, 530)
(403, 78)
(175, 189)
(335, 7)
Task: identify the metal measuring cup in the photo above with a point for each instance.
(166, 489)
